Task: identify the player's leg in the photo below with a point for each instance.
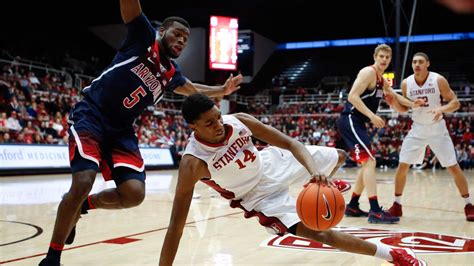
(85, 157)
(376, 214)
(400, 181)
(125, 166)
(350, 243)
(412, 152)
(459, 178)
(359, 140)
(129, 193)
(350, 129)
(68, 214)
(443, 148)
(463, 188)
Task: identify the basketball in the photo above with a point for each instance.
(320, 207)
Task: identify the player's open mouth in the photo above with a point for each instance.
(177, 49)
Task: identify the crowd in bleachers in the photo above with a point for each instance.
(34, 108)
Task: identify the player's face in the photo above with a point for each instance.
(419, 64)
(174, 39)
(210, 126)
(382, 59)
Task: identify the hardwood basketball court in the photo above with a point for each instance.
(433, 223)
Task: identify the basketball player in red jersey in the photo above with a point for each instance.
(221, 154)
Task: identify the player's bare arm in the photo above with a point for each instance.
(364, 79)
(231, 84)
(130, 9)
(276, 138)
(191, 170)
(448, 95)
(399, 102)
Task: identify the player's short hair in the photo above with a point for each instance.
(422, 55)
(382, 47)
(169, 21)
(194, 105)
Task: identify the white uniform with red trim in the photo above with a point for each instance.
(257, 181)
(424, 131)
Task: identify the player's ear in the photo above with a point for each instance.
(161, 31)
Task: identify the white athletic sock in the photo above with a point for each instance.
(383, 252)
(467, 200)
(398, 199)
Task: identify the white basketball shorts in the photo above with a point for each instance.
(434, 135)
(271, 196)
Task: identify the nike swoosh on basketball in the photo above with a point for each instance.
(328, 215)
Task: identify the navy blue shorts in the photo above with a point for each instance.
(354, 134)
(95, 145)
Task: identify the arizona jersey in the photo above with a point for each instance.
(136, 78)
(371, 99)
(235, 165)
(429, 91)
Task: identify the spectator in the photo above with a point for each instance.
(13, 123)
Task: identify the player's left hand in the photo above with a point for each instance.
(232, 84)
(389, 98)
(318, 179)
(438, 114)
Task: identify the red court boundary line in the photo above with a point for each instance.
(102, 241)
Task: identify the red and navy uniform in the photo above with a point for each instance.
(352, 127)
(101, 133)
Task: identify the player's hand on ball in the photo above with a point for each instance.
(317, 179)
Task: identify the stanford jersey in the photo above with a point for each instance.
(136, 78)
(235, 165)
(429, 91)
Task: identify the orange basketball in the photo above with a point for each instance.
(320, 206)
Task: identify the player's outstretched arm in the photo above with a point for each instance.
(231, 84)
(400, 102)
(191, 170)
(130, 9)
(274, 137)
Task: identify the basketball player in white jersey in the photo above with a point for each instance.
(429, 128)
(220, 153)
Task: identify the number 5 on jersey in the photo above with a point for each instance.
(248, 156)
(134, 97)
